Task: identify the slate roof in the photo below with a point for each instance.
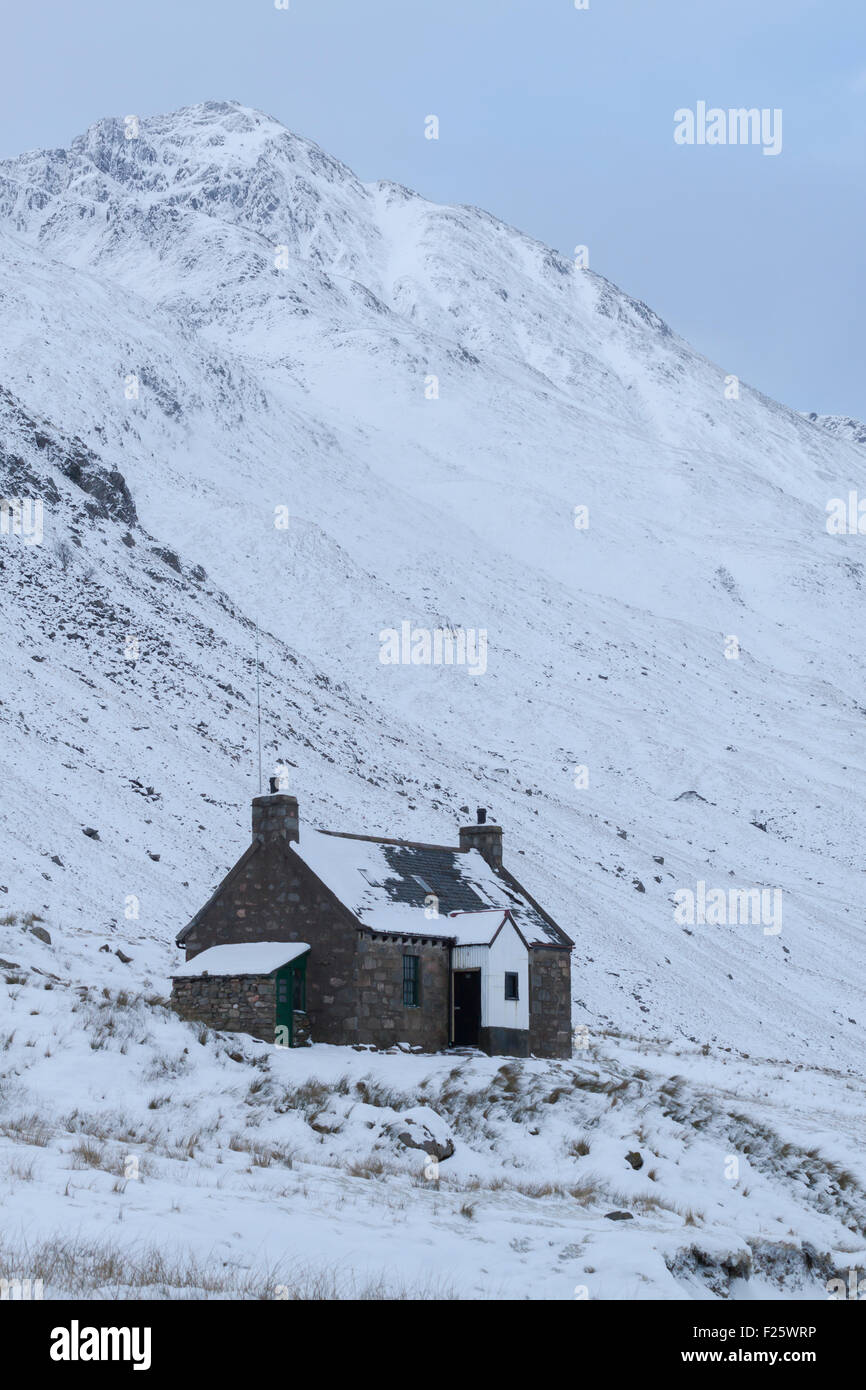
(412, 866)
(387, 885)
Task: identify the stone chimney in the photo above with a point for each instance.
(275, 817)
(487, 839)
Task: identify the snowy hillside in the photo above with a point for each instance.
(225, 316)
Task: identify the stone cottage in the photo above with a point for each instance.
(362, 939)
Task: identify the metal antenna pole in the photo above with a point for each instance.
(259, 707)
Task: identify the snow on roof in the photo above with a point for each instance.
(475, 928)
(387, 885)
(245, 958)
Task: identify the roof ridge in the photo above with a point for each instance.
(474, 911)
(389, 840)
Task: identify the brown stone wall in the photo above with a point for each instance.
(231, 1003)
(549, 1002)
(381, 1016)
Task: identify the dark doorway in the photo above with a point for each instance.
(467, 1007)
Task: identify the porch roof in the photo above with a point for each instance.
(242, 958)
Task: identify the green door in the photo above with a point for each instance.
(285, 1001)
(291, 983)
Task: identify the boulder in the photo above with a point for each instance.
(421, 1128)
(326, 1122)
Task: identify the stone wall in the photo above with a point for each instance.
(301, 1034)
(549, 1002)
(231, 1003)
(381, 1016)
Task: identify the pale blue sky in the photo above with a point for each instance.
(557, 120)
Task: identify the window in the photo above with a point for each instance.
(410, 981)
(510, 984)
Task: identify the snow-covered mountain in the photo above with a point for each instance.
(213, 325)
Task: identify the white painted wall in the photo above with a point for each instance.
(507, 953)
(470, 958)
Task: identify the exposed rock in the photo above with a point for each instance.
(421, 1128)
(326, 1122)
(168, 557)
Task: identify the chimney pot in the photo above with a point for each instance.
(482, 815)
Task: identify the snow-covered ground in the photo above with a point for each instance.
(214, 329)
(141, 1156)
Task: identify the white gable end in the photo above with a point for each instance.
(506, 955)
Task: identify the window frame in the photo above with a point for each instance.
(412, 982)
(515, 997)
